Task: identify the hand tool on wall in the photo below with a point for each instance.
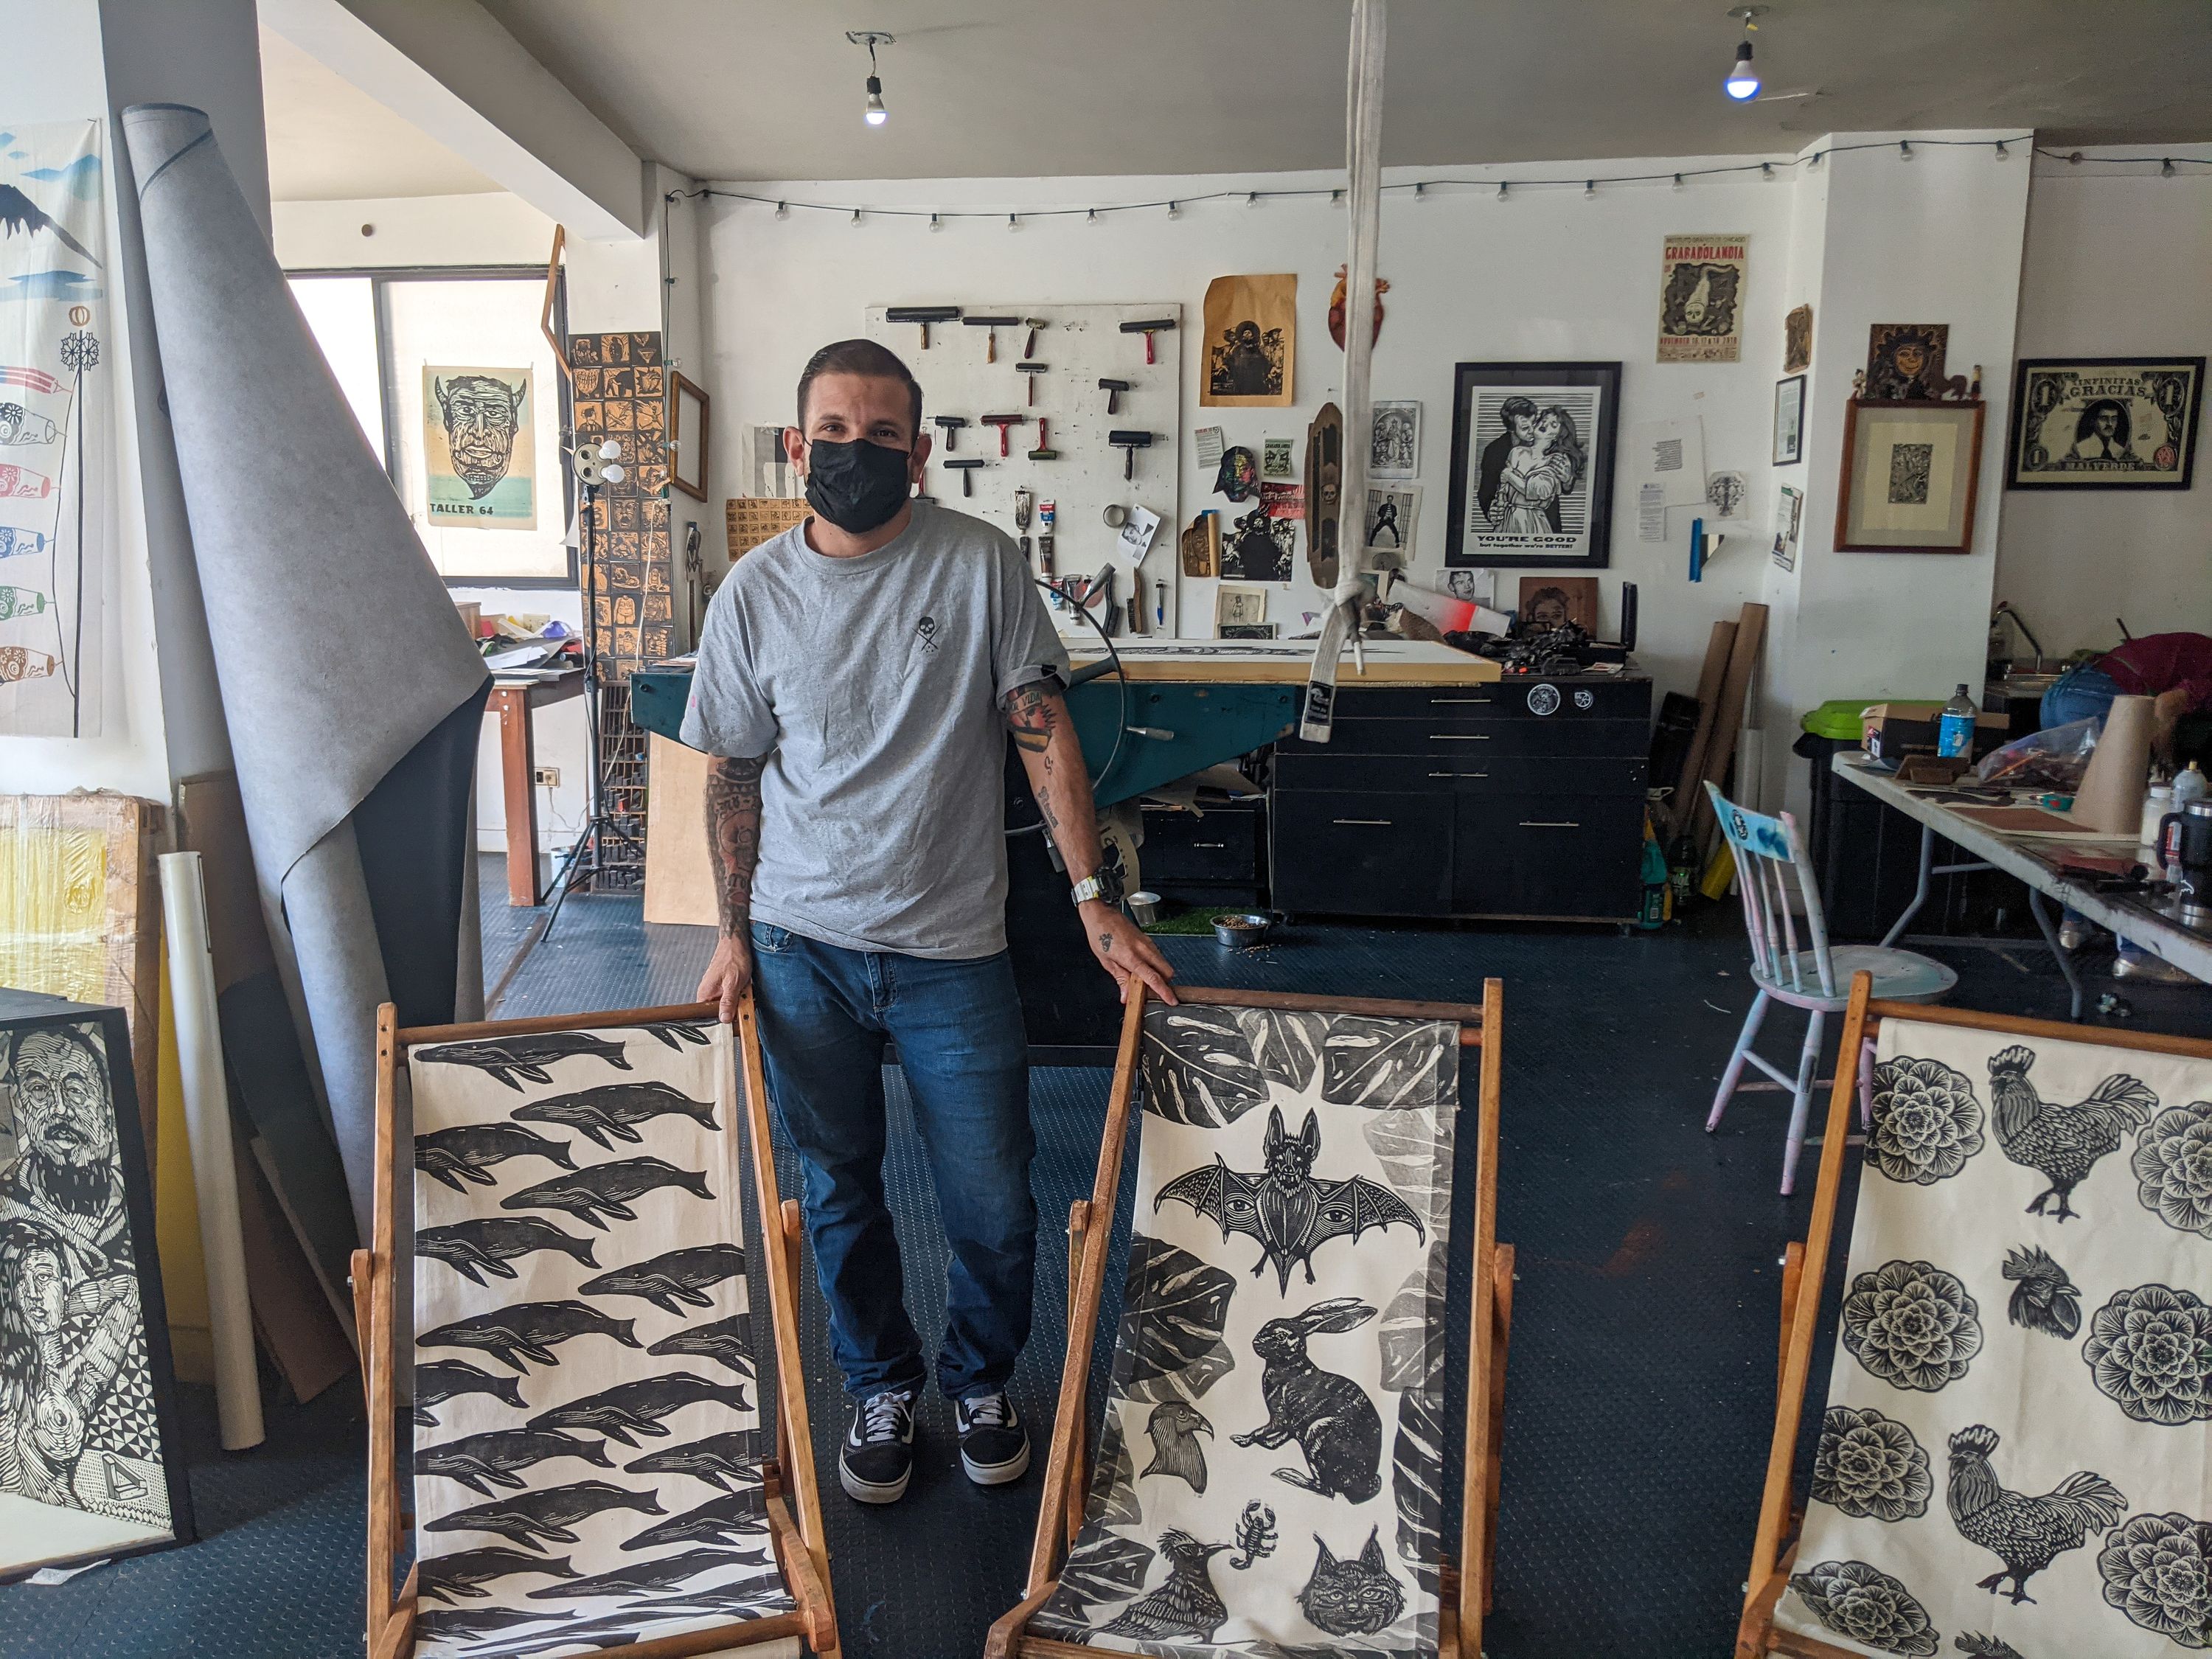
(951, 425)
(1035, 325)
(990, 340)
(1044, 555)
(1113, 389)
(1022, 500)
(1148, 329)
(1044, 451)
(1129, 443)
(921, 317)
(1002, 421)
(1029, 372)
(965, 468)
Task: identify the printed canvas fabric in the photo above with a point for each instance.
(588, 1427)
(2014, 1457)
(1269, 1478)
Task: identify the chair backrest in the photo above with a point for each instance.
(1769, 857)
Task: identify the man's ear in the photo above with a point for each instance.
(795, 448)
(918, 457)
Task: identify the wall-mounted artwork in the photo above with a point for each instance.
(1532, 464)
(1251, 343)
(1789, 420)
(1797, 341)
(2105, 422)
(1393, 514)
(1552, 602)
(479, 448)
(1910, 477)
(1396, 452)
(1905, 362)
(1701, 299)
(687, 436)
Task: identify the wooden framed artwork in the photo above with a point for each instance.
(1532, 466)
(1797, 341)
(1789, 420)
(1911, 472)
(688, 409)
(2105, 422)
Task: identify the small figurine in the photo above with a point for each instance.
(1858, 383)
(1974, 391)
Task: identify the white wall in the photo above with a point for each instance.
(2116, 264)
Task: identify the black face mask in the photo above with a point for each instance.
(858, 486)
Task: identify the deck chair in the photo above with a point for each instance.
(1269, 1478)
(583, 1424)
(1770, 858)
(2013, 1457)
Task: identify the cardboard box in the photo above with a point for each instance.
(1891, 731)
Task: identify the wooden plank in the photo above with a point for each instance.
(680, 1013)
(1681, 802)
(2048, 1031)
(1502, 1317)
(291, 1316)
(679, 876)
(518, 769)
(1466, 1013)
(1275, 670)
(1474, 1538)
(383, 1520)
(1728, 719)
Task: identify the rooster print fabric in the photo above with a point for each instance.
(587, 1407)
(1269, 1478)
(2017, 1453)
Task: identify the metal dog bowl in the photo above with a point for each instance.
(1241, 932)
(1143, 908)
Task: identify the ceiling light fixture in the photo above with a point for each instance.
(873, 112)
(1742, 82)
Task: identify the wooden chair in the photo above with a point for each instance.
(775, 1494)
(1769, 857)
(1805, 1270)
(1463, 1586)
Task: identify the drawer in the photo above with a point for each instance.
(1548, 855)
(1515, 698)
(1476, 769)
(1184, 848)
(1361, 855)
(1557, 735)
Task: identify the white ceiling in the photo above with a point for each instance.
(769, 89)
(329, 142)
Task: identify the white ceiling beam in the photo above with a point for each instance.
(451, 71)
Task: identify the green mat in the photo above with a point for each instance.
(1198, 921)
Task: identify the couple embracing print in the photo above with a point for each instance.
(1529, 468)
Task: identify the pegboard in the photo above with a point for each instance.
(1083, 344)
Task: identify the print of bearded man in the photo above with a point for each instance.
(481, 414)
(66, 1178)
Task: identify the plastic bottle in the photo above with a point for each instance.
(1656, 895)
(2189, 786)
(2158, 801)
(1954, 726)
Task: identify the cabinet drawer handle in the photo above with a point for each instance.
(1384, 822)
(1459, 774)
(1438, 703)
(1211, 846)
(1459, 736)
(1550, 823)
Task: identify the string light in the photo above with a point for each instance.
(2165, 166)
(1678, 181)
(1503, 186)
(1174, 212)
(1012, 223)
(1419, 190)
(856, 215)
(1766, 170)
(936, 223)
(1589, 190)
(2003, 155)
(1904, 149)
(1251, 198)
(783, 210)
(1091, 216)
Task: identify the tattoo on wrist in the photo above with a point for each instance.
(733, 818)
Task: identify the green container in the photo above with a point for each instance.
(1837, 719)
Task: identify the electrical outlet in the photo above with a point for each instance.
(548, 775)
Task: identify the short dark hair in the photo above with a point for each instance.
(1515, 408)
(866, 358)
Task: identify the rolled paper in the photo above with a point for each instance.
(215, 1169)
(2110, 799)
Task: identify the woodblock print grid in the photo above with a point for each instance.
(620, 391)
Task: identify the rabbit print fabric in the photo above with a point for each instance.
(2017, 1453)
(1269, 1477)
(587, 1407)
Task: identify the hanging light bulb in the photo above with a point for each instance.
(872, 112)
(875, 114)
(1741, 82)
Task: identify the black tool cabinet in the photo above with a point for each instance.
(1523, 798)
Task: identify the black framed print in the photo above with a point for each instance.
(1789, 420)
(1532, 466)
(2105, 422)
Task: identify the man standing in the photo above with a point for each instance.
(857, 677)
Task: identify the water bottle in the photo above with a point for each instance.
(2189, 786)
(1954, 726)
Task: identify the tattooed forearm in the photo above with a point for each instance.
(733, 816)
(1052, 755)
(1032, 714)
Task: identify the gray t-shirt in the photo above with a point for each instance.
(874, 684)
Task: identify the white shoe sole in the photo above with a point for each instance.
(871, 1492)
(997, 1474)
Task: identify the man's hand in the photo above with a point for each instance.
(1124, 951)
(727, 976)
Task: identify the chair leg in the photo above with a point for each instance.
(1807, 1063)
(1736, 1060)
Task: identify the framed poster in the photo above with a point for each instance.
(1251, 342)
(1393, 512)
(1395, 451)
(2105, 422)
(1789, 420)
(1532, 464)
(1701, 299)
(479, 448)
(687, 436)
(1788, 507)
(1910, 475)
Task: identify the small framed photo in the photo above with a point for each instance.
(1396, 452)
(1910, 476)
(687, 436)
(2105, 422)
(1789, 420)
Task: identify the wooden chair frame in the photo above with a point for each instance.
(1804, 1271)
(787, 1479)
(1465, 1588)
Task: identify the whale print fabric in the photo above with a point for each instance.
(587, 1412)
(1269, 1476)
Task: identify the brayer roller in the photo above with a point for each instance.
(923, 316)
(1129, 443)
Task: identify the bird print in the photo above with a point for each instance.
(1984, 1647)
(2061, 1143)
(1175, 1426)
(2044, 1298)
(1186, 1605)
(19, 212)
(2026, 1534)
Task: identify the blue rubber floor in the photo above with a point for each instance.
(1640, 1390)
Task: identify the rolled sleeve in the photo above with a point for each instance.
(727, 715)
(1026, 647)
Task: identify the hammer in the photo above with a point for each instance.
(1145, 329)
(1002, 421)
(951, 423)
(922, 317)
(1044, 451)
(965, 468)
(1113, 389)
(1129, 443)
(1032, 370)
(991, 340)
(1035, 324)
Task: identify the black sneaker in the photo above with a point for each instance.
(878, 1456)
(994, 1447)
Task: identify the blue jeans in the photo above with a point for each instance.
(2080, 694)
(825, 1013)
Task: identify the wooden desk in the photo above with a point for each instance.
(513, 699)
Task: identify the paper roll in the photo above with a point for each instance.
(215, 1168)
(2110, 798)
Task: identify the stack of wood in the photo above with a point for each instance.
(1723, 685)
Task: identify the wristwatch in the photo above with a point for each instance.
(1105, 886)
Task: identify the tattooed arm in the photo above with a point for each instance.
(1036, 715)
(733, 816)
